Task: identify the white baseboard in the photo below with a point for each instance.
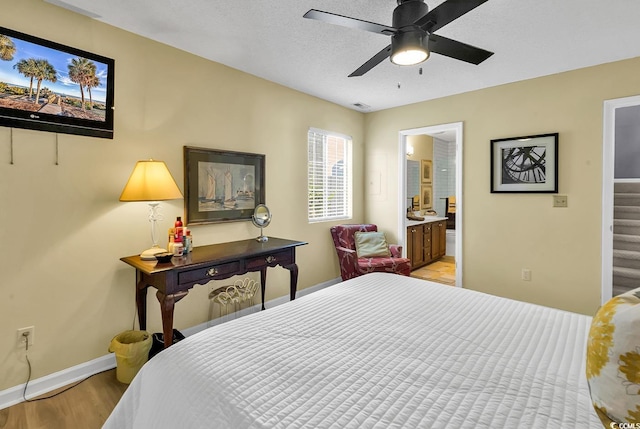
(48, 383)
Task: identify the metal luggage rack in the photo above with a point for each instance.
(237, 294)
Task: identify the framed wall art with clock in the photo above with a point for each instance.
(525, 164)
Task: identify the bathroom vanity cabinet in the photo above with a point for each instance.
(426, 240)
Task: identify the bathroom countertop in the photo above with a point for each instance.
(427, 219)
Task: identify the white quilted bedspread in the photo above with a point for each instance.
(378, 351)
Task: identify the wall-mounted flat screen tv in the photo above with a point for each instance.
(52, 87)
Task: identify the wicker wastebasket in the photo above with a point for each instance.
(132, 351)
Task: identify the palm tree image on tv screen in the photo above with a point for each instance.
(36, 78)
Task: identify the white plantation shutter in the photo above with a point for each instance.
(329, 176)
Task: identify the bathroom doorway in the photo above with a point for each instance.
(446, 186)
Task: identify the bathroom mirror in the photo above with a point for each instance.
(413, 184)
(261, 218)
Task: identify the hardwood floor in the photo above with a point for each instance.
(85, 406)
(441, 271)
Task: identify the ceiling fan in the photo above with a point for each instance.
(412, 37)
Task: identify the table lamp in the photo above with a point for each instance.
(151, 181)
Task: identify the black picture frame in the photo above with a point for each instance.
(222, 186)
(527, 164)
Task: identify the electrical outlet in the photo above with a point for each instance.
(23, 334)
(560, 201)
(526, 274)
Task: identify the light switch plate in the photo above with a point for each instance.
(560, 201)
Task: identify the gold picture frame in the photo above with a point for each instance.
(426, 197)
(222, 186)
(426, 171)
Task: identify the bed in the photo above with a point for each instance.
(376, 351)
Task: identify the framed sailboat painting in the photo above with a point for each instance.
(221, 186)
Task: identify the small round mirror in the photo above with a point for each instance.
(261, 218)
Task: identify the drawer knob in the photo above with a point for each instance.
(212, 272)
(270, 259)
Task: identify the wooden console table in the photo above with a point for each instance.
(205, 263)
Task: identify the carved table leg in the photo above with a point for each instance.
(167, 303)
(293, 284)
(141, 302)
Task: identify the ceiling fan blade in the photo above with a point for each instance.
(374, 61)
(458, 50)
(445, 13)
(346, 21)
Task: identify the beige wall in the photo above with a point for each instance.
(422, 147)
(504, 233)
(63, 228)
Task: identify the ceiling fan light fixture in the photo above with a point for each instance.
(409, 57)
(412, 32)
(408, 48)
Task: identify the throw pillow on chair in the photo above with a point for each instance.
(371, 245)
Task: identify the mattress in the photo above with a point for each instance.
(377, 351)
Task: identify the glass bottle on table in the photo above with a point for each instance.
(178, 226)
(178, 248)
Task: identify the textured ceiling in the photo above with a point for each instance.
(271, 39)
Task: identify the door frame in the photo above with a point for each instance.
(402, 169)
(608, 175)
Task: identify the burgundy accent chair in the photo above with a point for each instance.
(352, 266)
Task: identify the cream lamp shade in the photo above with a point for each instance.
(151, 181)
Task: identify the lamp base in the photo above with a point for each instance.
(150, 254)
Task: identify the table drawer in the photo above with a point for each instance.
(209, 273)
(270, 260)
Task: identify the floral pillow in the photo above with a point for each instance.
(613, 360)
